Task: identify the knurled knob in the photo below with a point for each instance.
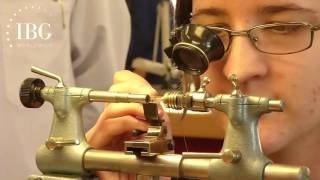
(30, 93)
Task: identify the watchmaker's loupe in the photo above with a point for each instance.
(194, 47)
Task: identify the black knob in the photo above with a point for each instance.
(30, 93)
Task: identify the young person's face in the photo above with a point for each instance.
(293, 78)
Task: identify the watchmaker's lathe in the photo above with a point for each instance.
(67, 155)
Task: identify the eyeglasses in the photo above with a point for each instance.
(275, 38)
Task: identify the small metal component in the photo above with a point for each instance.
(48, 74)
(234, 80)
(137, 132)
(190, 83)
(148, 147)
(276, 105)
(156, 131)
(199, 101)
(30, 93)
(54, 143)
(277, 172)
(151, 115)
(205, 81)
(177, 100)
(156, 99)
(190, 101)
(227, 155)
(230, 156)
(155, 140)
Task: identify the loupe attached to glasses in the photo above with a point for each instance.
(194, 47)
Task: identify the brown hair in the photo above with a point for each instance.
(183, 12)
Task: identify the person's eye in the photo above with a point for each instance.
(285, 29)
(220, 25)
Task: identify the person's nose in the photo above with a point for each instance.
(244, 60)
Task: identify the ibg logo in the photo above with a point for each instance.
(31, 31)
(30, 26)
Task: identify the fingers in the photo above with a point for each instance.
(126, 81)
(113, 110)
(103, 132)
(133, 87)
(125, 75)
(121, 109)
(119, 119)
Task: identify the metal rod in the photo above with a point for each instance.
(170, 165)
(48, 74)
(173, 165)
(105, 96)
(202, 155)
(285, 172)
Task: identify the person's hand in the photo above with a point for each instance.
(117, 121)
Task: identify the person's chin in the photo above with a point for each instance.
(273, 136)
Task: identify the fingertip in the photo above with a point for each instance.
(141, 125)
(119, 75)
(126, 75)
(161, 112)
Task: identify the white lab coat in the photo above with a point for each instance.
(86, 53)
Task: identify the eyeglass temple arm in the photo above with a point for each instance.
(316, 28)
